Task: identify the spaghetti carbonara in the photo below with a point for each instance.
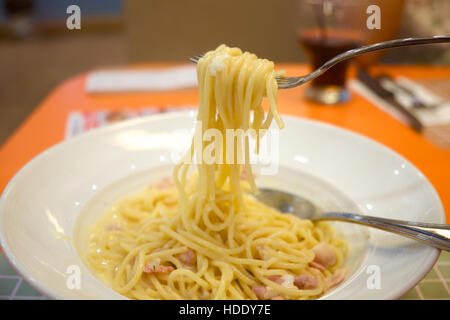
(203, 235)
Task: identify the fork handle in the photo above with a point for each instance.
(435, 235)
(369, 48)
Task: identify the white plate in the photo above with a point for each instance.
(47, 206)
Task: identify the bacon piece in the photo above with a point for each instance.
(336, 278)
(165, 183)
(187, 257)
(324, 255)
(162, 269)
(317, 266)
(113, 227)
(244, 175)
(306, 281)
(261, 252)
(260, 291)
(155, 267)
(277, 279)
(264, 293)
(158, 269)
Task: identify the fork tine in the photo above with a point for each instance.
(196, 58)
(283, 80)
(288, 82)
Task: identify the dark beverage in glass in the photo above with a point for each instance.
(319, 47)
(326, 29)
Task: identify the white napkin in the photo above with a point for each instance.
(435, 121)
(431, 117)
(427, 117)
(142, 80)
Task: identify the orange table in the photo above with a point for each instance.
(46, 125)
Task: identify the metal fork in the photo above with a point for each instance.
(291, 82)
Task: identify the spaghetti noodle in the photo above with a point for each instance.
(204, 236)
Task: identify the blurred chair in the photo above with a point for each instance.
(175, 30)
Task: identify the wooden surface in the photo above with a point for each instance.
(46, 125)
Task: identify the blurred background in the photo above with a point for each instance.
(38, 51)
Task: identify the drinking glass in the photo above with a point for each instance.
(326, 29)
